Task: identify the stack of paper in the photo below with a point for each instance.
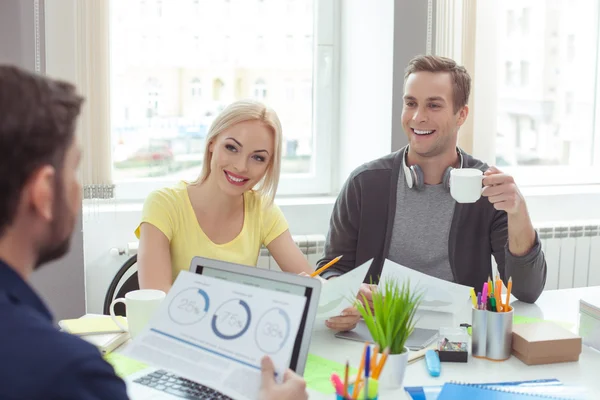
(438, 295)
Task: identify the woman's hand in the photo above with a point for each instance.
(323, 281)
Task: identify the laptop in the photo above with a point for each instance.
(153, 383)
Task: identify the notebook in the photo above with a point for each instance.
(106, 342)
(460, 391)
(537, 385)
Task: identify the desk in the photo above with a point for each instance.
(556, 305)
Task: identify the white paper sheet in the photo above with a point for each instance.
(215, 332)
(339, 293)
(438, 294)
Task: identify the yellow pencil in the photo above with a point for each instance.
(508, 289)
(360, 371)
(381, 363)
(374, 359)
(324, 267)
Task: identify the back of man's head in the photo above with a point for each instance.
(461, 80)
(37, 126)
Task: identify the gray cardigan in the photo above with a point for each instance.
(363, 216)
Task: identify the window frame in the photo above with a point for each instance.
(325, 106)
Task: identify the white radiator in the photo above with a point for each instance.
(572, 254)
(310, 245)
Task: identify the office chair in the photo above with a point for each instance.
(124, 281)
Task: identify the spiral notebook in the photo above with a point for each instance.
(460, 391)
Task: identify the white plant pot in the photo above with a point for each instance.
(392, 375)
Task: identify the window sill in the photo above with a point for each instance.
(559, 190)
(90, 206)
(111, 206)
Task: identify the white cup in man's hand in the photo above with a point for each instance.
(466, 184)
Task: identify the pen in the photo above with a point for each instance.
(324, 267)
(508, 289)
(484, 295)
(337, 383)
(473, 299)
(346, 380)
(360, 370)
(367, 370)
(489, 282)
(479, 300)
(493, 304)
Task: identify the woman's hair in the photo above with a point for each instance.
(242, 111)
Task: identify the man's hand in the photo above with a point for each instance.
(366, 293)
(345, 322)
(350, 316)
(292, 388)
(502, 192)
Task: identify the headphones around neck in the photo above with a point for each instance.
(414, 173)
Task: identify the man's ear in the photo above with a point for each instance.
(41, 191)
(463, 113)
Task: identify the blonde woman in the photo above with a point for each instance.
(228, 212)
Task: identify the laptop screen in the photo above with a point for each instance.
(271, 284)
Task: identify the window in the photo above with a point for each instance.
(525, 16)
(153, 97)
(260, 90)
(569, 103)
(241, 60)
(524, 73)
(571, 47)
(538, 127)
(196, 88)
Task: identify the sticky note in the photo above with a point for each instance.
(318, 370)
(92, 325)
(518, 319)
(124, 366)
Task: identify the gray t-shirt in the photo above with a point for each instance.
(421, 228)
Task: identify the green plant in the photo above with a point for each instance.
(392, 319)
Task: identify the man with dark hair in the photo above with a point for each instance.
(399, 206)
(40, 199)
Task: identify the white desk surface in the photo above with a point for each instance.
(557, 305)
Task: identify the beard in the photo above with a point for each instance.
(59, 231)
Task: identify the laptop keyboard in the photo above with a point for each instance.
(178, 386)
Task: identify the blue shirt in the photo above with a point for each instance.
(39, 362)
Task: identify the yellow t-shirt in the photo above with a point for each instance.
(170, 210)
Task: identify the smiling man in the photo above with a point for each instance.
(399, 206)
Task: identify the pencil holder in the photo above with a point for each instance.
(492, 334)
(373, 389)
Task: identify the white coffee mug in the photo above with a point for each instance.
(140, 306)
(466, 184)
